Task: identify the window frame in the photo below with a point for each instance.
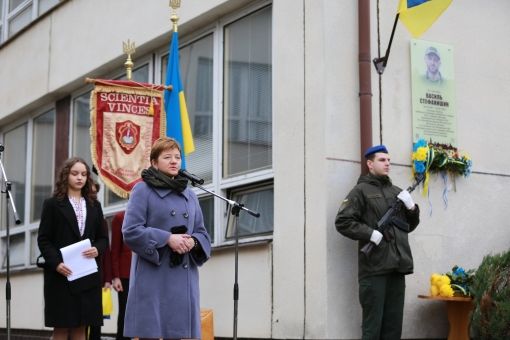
(236, 181)
(27, 227)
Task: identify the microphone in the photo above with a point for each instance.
(191, 177)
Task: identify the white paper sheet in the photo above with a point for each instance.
(79, 265)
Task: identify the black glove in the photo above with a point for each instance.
(176, 258)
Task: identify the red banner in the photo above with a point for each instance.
(127, 117)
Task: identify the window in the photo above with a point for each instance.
(1, 19)
(29, 145)
(80, 128)
(34, 248)
(13, 4)
(247, 111)
(231, 123)
(20, 20)
(207, 206)
(14, 162)
(17, 14)
(45, 5)
(42, 177)
(259, 199)
(16, 251)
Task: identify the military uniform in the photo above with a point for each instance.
(381, 277)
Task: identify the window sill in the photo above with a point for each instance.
(241, 245)
(18, 270)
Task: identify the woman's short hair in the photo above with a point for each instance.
(61, 185)
(163, 144)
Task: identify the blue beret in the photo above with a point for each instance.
(374, 149)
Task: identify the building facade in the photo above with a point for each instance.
(272, 89)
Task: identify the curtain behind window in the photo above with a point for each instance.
(247, 116)
(42, 162)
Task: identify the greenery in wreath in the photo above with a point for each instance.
(428, 158)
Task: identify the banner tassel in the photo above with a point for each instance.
(151, 109)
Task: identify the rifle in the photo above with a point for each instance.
(390, 218)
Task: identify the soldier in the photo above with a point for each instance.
(382, 276)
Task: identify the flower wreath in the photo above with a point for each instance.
(429, 158)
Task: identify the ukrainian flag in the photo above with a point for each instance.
(419, 15)
(177, 120)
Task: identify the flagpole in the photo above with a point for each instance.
(380, 63)
(235, 210)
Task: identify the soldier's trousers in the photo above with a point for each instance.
(382, 300)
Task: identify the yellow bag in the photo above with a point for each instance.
(107, 302)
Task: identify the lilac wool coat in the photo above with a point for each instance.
(163, 301)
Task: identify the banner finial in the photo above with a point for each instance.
(128, 49)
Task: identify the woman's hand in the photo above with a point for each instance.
(191, 243)
(91, 253)
(180, 243)
(63, 269)
(117, 285)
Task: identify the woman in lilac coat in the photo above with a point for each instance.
(165, 229)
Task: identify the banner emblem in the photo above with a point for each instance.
(128, 135)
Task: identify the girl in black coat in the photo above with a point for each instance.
(72, 214)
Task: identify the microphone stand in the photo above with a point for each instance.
(236, 207)
(8, 194)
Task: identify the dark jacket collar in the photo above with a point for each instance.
(372, 179)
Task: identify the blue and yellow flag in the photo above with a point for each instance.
(177, 120)
(419, 15)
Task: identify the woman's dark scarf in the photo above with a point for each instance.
(157, 179)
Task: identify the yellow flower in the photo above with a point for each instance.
(442, 280)
(446, 291)
(433, 279)
(421, 154)
(434, 291)
(467, 157)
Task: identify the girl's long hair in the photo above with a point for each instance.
(61, 185)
